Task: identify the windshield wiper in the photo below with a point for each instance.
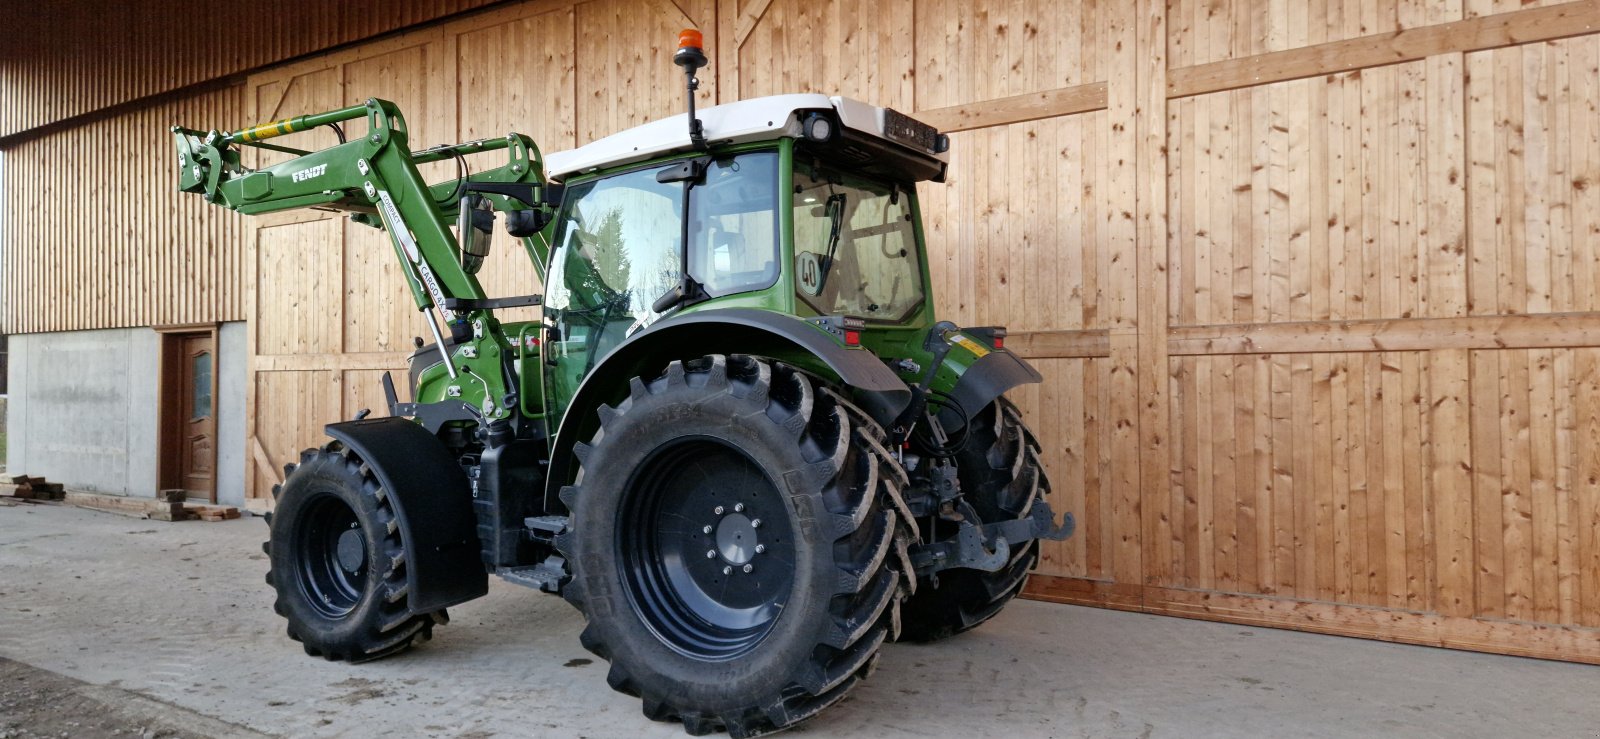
(835, 210)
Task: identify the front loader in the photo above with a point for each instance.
(739, 439)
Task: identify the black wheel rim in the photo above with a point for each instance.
(333, 556)
(705, 548)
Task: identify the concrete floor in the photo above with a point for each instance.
(178, 613)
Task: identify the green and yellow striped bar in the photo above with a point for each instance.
(286, 126)
(267, 130)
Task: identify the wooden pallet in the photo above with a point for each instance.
(23, 487)
(210, 512)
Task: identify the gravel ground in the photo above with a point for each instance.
(172, 621)
(37, 703)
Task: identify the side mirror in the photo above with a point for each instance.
(474, 231)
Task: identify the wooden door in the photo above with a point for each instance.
(197, 452)
(188, 422)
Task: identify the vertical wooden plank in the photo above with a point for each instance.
(1207, 125)
(1205, 475)
(1535, 157)
(1366, 507)
(1513, 284)
(1388, 415)
(1516, 483)
(1224, 487)
(1482, 154)
(1284, 488)
(1122, 238)
(1450, 480)
(1347, 298)
(1584, 122)
(1303, 486)
(1486, 458)
(1419, 515)
(1195, 525)
(1587, 394)
(1341, 493)
(1288, 179)
(1566, 453)
(1446, 186)
(1384, 515)
(1154, 286)
(1181, 432)
(1247, 506)
(1558, 116)
(1323, 497)
(1542, 486)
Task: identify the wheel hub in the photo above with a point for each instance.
(351, 550)
(736, 539)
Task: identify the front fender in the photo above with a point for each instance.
(433, 505)
(880, 392)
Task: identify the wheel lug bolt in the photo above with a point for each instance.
(727, 570)
(717, 510)
(761, 548)
(748, 568)
(706, 530)
(738, 507)
(711, 554)
(755, 523)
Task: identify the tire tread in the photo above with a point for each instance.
(871, 582)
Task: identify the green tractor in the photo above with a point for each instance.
(739, 440)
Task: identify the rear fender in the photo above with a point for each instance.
(761, 333)
(433, 504)
(986, 378)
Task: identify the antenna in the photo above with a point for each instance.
(691, 57)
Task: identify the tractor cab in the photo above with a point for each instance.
(797, 204)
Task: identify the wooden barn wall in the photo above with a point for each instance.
(96, 234)
(1314, 287)
(68, 58)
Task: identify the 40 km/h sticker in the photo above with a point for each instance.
(810, 269)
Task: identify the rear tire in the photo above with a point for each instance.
(1001, 478)
(721, 443)
(338, 561)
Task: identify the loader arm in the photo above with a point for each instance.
(375, 179)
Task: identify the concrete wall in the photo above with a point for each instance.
(231, 379)
(83, 404)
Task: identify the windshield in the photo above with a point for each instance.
(855, 247)
(619, 244)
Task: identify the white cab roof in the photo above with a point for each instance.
(760, 119)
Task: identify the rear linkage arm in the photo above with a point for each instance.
(976, 545)
(987, 546)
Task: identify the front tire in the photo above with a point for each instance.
(1001, 477)
(737, 545)
(338, 561)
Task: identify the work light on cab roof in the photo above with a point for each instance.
(736, 435)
